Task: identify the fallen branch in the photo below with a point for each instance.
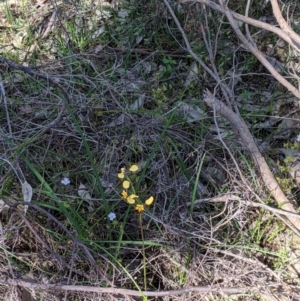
(241, 128)
(127, 292)
(232, 197)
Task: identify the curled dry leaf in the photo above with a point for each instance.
(27, 193)
(193, 74)
(83, 193)
(191, 113)
(138, 103)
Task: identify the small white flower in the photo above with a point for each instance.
(298, 138)
(111, 216)
(65, 181)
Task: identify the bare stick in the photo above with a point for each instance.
(284, 25)
(17, 171)
(127, 292)
(233, 197)
(241, 128)
(247, 26)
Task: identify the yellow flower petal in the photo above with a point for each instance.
(131, 199)
(126, 184)
(124, 195)
(139, 208)
(149, 201)
(134, 168)
(121, 175)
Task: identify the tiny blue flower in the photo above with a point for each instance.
(298, 138)
(65, 181)
(111, 216)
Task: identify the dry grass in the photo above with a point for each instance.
(121, 109)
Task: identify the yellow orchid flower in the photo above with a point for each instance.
(131, 199)
(124, 195)
(121, 175)
(149, 201)
(134, 168)
(126, 184)
(139, 208)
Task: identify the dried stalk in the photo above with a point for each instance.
(233, 197)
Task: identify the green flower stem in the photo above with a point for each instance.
(143, 248)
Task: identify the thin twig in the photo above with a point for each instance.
(247, 260)
(16, 170)
(74, 240)
(232, 197)
(55, 255)
(2, 91)
(245, 19)
(195, 57)
(257, 53)
(66, 100)
(229, 98)
(247, 25)
(127, 292)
